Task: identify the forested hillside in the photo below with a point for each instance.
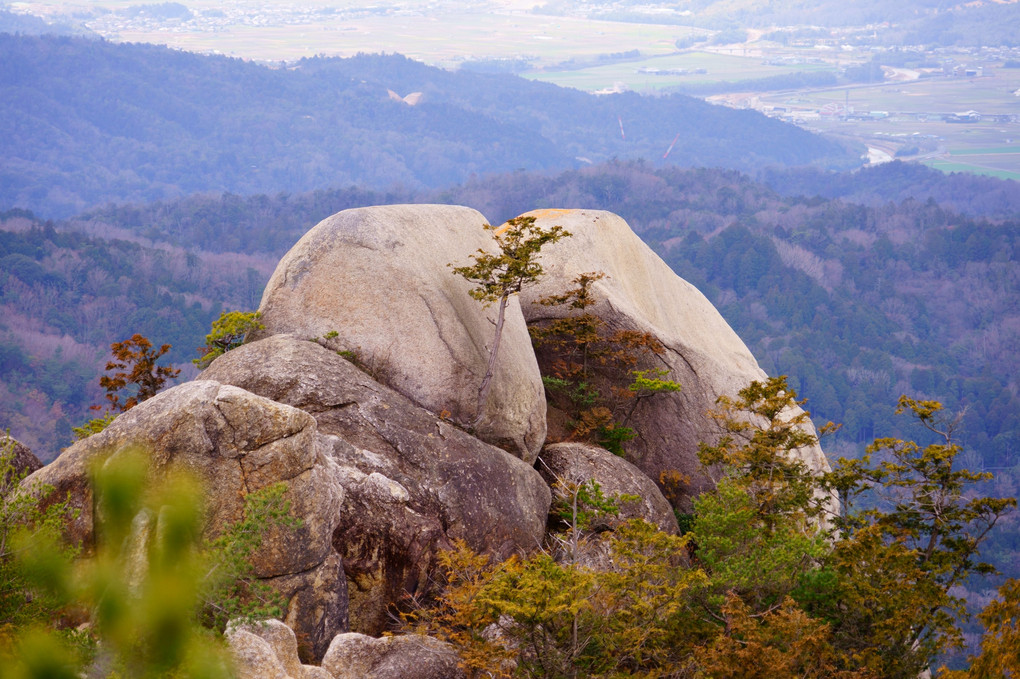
(84, 122)
(26, 24)
(65, 297)
(857, 304)
(967, 194)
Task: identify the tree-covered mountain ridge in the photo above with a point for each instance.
(85, 122)
(847, 299)
(753, 564)
(856, 303)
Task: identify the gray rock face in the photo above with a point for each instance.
(280, 639)
(317, 595)
(640, 292)
(268, 650)
(21, 460)
(379, 278)
(573, 463)
(356, 656)
(235, 443)
(254, 657)
(390, 543)
(412, 482)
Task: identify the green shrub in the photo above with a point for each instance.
(229, 331)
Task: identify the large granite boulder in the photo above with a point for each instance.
(377, 281)
(640, 292)
(409, 656)
(235, 443)
(413, 482)
(564, 465)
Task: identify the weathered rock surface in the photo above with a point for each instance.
(356, 656)
(22, 461)
(412, 481)
(574, 463)
(235, 443)
(379, 278)
(389, 541)
(278, 636)
(254, 657)
(640, 292)
(268, 648)
(318, 594)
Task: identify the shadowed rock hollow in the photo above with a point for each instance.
(640, 292)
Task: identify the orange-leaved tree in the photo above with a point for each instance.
(134, 364)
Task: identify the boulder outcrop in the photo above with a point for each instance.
(235, 443)
(21, 461)
(354, 395)
(378, 282)
(412, 481)
(268, 649)
(410, 656)
(640, 292)
(281, 640)
(254, 657)
(575, 463)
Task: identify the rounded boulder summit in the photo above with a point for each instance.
(377, 284)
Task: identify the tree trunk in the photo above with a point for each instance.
(483, 391)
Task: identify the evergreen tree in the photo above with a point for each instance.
(499, 276)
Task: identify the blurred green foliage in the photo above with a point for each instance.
(153, 597)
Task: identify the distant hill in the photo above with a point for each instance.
(84, 122)
(962, 192)
(26, 24)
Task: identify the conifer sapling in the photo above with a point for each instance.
(498, 276)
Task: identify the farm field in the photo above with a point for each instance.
(438, 39)
(988, 94)
(986, 148)
(949, 166)
(701, 67)
(1002, 162)
(904, 119)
